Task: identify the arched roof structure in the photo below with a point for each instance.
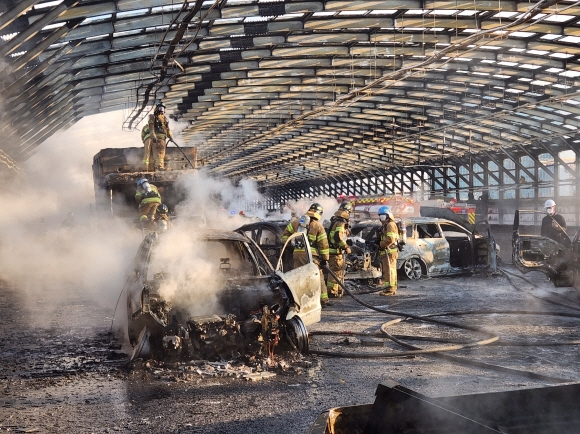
(296, 91)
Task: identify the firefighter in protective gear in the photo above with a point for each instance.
(148, 198)
(338, 248)
(162, 218)
(388, 250)
(318, 245)
(154, 136)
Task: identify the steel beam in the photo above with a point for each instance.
(34, 28)
(23, 60)
(20, 85)
(20, 8)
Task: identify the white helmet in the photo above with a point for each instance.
(550, 206)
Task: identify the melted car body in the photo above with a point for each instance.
(533, 252)
(253, 306)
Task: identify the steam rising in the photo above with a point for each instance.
(38, 250)
(43, 248)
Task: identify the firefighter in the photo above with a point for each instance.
(388, 250)
(162, 218)
(154, 136)
(338, 248)
(148, 198)
(318, 245)
(554, 225)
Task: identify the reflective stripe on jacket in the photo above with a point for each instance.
(143, 200)
(158, 124)
(337, 237)
(316, 237)
(389, 238)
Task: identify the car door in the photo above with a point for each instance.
(460, 242)
(485, 249)
(303, 282)
(534, 252)
(433, 246)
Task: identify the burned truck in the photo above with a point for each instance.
(116, 172)
(213, 295)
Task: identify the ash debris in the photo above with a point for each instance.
(250, 369)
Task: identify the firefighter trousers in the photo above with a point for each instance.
(147, 211)
(155, 150)
(336, 265)
(389, 263)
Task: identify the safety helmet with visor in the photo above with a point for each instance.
(384, 213)
(159, 107)
(316, 210)
(162, 209)
(346, 206)
(144, 184)
(550, 206)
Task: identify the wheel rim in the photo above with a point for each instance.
(297, 334)
(413, 269)
(143, 347)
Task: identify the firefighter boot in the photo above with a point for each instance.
(389, 290)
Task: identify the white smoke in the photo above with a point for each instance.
(52, 239)
(38, 250)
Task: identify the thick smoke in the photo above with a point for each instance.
(52, 243)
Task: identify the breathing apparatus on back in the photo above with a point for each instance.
(146, 187)
(303, 226)
(402, 227)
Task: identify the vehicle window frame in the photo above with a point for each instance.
(456, 228)
(273, 240)
(430, 236)
(259, 259)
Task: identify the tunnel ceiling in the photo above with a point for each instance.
(291, 91)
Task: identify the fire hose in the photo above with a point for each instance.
(437, 351)
(178, 147)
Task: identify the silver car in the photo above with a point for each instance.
(436, 246)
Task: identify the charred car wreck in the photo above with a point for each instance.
(533, 252)
(438, 243)
(254, 306)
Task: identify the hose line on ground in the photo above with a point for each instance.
(437, 351)
(507, 274)
(491, 337)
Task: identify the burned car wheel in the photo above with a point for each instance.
(412, 269)
(297, 334)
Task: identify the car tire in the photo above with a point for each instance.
(412, 269)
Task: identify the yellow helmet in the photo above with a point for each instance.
(315, 211)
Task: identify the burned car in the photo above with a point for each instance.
(435, 246)
(268, 235)
(534, 252)
(215, 295)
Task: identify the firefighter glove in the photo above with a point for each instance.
(323, 263)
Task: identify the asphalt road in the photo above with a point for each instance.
(58, 374)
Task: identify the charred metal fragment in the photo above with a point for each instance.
(400, 410)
